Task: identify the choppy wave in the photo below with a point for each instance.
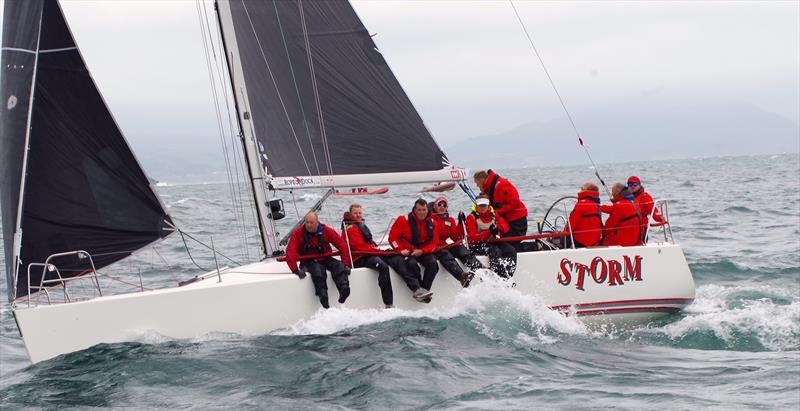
(736, 346)
(741, 318)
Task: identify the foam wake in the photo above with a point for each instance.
(488, 302)
(742, 317)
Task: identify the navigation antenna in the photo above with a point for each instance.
(561, 100)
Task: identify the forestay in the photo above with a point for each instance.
(320, 100)
(69, 179)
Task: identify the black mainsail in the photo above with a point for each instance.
(318, 94)
(69, 179)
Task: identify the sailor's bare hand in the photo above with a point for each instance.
(405, 253)
(416, 253)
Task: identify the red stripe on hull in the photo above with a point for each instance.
(684, 301)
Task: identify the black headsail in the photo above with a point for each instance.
(60, 149)
(301, 58)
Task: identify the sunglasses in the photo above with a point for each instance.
(633, 184)
(442, 204)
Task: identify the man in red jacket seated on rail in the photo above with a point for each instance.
(315, 239)
(506, 203)
(416, 237)
(483, 224)
(585, 220)
(624, 225)
(358, 236)
(645, 202)
(448, 229)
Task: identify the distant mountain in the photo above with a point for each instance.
(638, 133)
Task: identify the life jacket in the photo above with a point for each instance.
(491, 186)
(483, 226)
(628, 196)
(307, 248)
(412, 224)
(596, 214)
(365, 233)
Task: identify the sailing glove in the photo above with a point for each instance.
(461, 217)
(494, 230)
(300, 273)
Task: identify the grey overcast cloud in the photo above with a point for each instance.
(470, 71)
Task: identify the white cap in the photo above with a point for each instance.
(482, 201)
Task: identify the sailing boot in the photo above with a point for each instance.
(323, 299)
(344, 292)
(422, 294)
(465, 278)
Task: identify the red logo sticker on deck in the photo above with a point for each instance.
(600, 271)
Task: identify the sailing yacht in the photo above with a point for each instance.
(317, 107)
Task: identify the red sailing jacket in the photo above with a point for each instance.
(504, 197)
(448, 229)
(585, 219)
(623, 226)
(298, 246)
(645, 202)
(356, 238)
(476, 235)
(401, 238)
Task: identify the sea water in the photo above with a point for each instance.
(736, 347)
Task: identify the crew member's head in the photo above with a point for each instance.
(311, 222)
(356, 213)
(634, 184)
(617, 188)
(480, 178)
(440, 205)
(421, 209)
(589, 186)
(482, 203)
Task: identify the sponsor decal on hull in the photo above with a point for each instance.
(600, 270)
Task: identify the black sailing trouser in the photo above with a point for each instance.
(398, 263)
(384, 279)
(502, 257)
(317, 270)
(450, 264)
(430, 264)
(466, 257)
(519, 227)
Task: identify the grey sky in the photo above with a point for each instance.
(466, 64)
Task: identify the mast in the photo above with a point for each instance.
(17, 239)
(256, 173)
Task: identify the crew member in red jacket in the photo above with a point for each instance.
(624, 223)
(585, 220)
(645, 202)
(416, 237)
(449, 230)
(315, 239)
(506, 203)
(483, 224)
(358, 236)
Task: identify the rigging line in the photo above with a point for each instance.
(317, 101)
(207, 246)
(296, 88)
(560, 99)
(238, 162)
(234, 177)
(189, 252)
(217, 108)
(275, 84)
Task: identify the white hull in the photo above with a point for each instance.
(262, 297)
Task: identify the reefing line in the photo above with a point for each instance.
(560, 99)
